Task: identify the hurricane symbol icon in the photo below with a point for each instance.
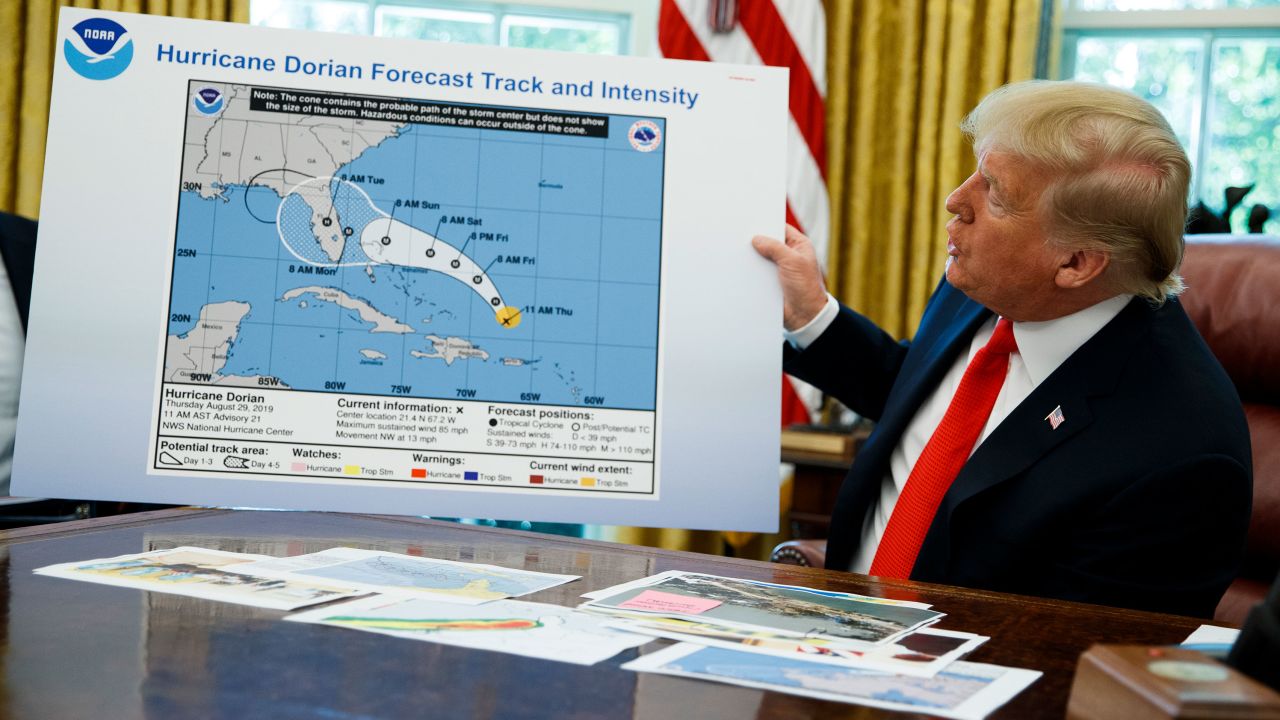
(98, 48)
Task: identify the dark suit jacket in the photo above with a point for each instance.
(18, 252)
(1140, 499)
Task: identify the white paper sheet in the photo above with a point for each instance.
(922, 653)
(202, 573)
(538, 630)
(1212, 634)
(386, 572)
(966, 691)
(1212, 640)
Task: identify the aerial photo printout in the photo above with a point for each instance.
(964, 690)
(745, 603)
(203, 573)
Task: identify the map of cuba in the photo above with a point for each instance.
(330, 252)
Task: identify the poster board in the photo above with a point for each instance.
(327, 272)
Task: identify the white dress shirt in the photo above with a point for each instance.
(1042, 347)
(12, 343)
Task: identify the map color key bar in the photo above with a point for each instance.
(268, 460)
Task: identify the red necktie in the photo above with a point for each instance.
(943, 456)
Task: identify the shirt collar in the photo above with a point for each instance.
(1045, 345)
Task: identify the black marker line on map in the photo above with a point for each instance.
(253, 179)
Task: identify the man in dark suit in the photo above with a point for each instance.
(1056, 427)
(17, 261)
(18, 253)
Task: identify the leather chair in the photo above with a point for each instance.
(1233, 297)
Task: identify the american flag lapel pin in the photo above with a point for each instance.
(1055, 418)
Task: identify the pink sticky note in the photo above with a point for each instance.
(657, 601)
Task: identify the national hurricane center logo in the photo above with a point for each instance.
(645, 135)
(98, 48)
(207, 100)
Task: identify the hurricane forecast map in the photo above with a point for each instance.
(381, 289)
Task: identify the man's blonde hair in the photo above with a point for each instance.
(1120, 176)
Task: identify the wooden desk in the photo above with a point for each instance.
(79, 650)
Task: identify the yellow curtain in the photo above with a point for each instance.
(28, 30)
(901, 75)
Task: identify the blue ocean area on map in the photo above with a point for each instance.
(567, 230)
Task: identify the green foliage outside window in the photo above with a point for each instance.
(1244, 127)
(1236, 119)
(426, 27)
(599, 39)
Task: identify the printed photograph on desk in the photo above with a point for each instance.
(966, 691)
(658, 577)
(777, 608)
(386, 572)
(922, 653)
(202, 573)
(538, 630)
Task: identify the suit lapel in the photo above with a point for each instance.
(1026, 435)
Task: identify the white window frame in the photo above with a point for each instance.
(1208, 26)
(1073, 18)
(639, 37)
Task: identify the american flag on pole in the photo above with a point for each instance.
(784, 33)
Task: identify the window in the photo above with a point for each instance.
(613, 27)
(1212, 67)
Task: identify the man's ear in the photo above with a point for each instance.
(1081, 267)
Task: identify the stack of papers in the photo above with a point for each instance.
(452, 603)
(782, 609)
(800, 641)
(789, 639)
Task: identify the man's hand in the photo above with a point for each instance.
(803, 294)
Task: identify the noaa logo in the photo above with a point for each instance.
(645, 136)
(207, 100)
(98, 48)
